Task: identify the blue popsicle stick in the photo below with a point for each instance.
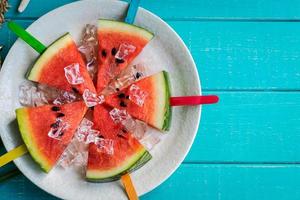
(131, 13)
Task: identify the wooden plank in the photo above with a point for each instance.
(238, 55)
(249, 127)
(244, 55)
(193, 9)
(199, 181)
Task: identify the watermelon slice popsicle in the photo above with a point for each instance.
(61, 57)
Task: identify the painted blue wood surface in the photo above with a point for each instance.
(247, 52)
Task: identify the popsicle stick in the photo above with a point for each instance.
(27, 37)
(132, 10)
(13, 154)
(193, 100)
(129, 187)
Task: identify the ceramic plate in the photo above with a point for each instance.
(166, 51)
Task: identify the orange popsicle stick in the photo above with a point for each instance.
(129, 187)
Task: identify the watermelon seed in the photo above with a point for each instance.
(124, 131)
(61, 134)
(122, 95)
(138, 75)
(55, 108)
(122, 104)
(103, 52)
(113, 51)
(75, 90)
(119, 61)
(92, 108)
(60, 115)
(100, 136)
(121, 136)
(55, 125)
(117, 89)
(127, 97)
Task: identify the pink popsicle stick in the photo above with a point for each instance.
(193, 100)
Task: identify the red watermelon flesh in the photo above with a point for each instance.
(127, 150)
(156, 110)
(35, 123)
(111, 35)
(49, 67)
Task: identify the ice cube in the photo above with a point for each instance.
(91, 99)
(149, 141)
(74, 155)
(136, 127)
(84, 129)
(57, 129)
(30, 96)
(105, 145)
(65, 97)
(124, 50)
(89, 48)
(92, 136)
(118, 115)
(73, 75)
(137, 95)
(125, 78)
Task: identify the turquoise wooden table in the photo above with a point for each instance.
(248, 53)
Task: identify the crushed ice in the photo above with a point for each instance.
(64, 97)
(57, 129)
(105, 145)
(91, 99)
(136, 95)
(124, 50)
(89, 48)
(135, 127)
(29, 95)
(125, 78)
(72, 74)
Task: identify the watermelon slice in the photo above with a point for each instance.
(156, 110)
(128, 153)
(112, 36)
(49, 67)
(35, 123)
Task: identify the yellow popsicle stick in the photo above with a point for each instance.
(13, 154)
(131, 193)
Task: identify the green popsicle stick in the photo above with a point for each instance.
(27, 37)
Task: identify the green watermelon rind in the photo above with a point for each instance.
(25, 130)
(125, 27)
(168, 108)
(139, 161)
(33, 73)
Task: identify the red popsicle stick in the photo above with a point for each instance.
(193, 100)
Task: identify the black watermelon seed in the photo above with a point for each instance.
(122, 104)
(121, 136)
(124, 131)
(92, 108)
(113, 51)
(75, 90)
(60, 115)
(121, 95)
(54, 125)
(117, 89)
(100, 136)
(127, 97)
(55, 108)
(138, 75)
(119, 61)
(103, 53)
(61, 133)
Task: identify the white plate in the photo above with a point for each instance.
(166, 51)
